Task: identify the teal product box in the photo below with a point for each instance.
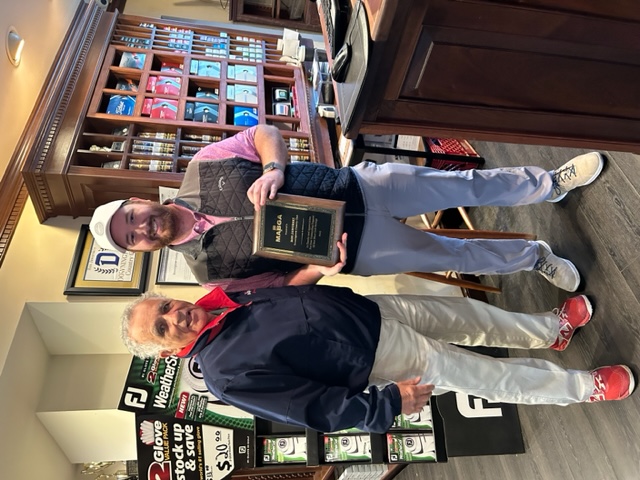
(411, 447)
(245, 116)
(208, 69)
(246, 94)
(189, 108)
(284, 450)
(347, 448)
(132, 60)
(246, 73)
(121, 105)
(415, 421)
(205, 112)
(193, 68)
(212, 93)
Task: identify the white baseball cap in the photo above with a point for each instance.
(100, 225)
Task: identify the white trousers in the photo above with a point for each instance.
(392, 191)
(415, 342)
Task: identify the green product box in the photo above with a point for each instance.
(415, 421)
(345, 448)
(284, 450)
(411, 447)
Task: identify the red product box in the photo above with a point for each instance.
(168, 85)
(146, 106)
(171, 67)
(164, 109)
(151, 84)
(451, 146)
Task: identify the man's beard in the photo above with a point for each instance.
(168, 224)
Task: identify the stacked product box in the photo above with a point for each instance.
(411, 438)
(121, 105)
(347, 448)
(284, 450)
(364, 472)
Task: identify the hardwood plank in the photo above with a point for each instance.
(598, 228)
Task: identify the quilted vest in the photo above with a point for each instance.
(219, 187)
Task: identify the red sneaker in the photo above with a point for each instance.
(574, 313)
(612, 383)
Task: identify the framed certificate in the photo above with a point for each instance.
(97, 271)
(173, 269)
(299, 229)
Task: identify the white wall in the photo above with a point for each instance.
(93, 435)
(84, 382)
(27, 450)
(42, 23)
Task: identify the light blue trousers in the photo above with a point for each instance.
(414, 342)
(392, 191)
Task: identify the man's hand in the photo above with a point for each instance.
(342, 261)
(265, 187)
(310, 274)
(414, 396)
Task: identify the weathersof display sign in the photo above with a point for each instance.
(175, 387)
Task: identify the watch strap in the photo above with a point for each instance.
(272, 166)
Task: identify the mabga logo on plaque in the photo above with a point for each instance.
(299, 229)
(173, 449)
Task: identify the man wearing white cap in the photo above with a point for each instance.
(211, 219)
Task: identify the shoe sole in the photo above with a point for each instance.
(571, 265)
(591, 180)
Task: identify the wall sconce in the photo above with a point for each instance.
(14, 44)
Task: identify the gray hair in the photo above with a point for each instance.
(141, 350)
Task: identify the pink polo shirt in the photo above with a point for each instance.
(241, 145)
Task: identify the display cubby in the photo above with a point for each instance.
(416, 438)
(180, 81)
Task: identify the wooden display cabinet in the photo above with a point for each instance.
(157, 93)
(532, 72)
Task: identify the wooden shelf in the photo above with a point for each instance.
(158, 92)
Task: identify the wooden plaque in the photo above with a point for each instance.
(299, 229)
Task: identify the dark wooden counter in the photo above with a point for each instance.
(528, 71)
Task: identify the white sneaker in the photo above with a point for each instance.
(577, 172)
(558, 271)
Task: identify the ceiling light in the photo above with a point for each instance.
(14, 45)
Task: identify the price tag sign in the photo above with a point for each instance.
(170, 448)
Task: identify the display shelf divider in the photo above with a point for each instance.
(378, 448)
(313, 447)
(438, 430)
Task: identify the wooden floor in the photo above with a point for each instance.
(598, 228)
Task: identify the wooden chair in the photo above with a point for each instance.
(451, 278)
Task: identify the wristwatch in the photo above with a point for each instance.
(272, 166)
